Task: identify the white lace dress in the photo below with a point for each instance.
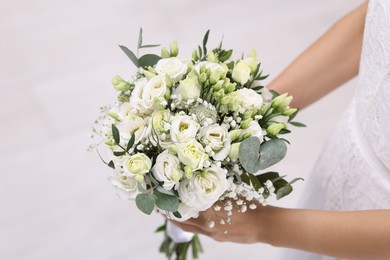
(353, 172)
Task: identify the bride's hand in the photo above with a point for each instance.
(239, 227)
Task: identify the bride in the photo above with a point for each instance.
(347, 213)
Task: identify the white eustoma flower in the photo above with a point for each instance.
(191, 154)
(212, 66)
(188, 88)
(166, 169)
(249, 98)
(218, 138)
(141, 105)
(173, 67)
(137, 166)
(132, 125)
(241, 72)
(204, 188)
(127, 187)
(183, 128)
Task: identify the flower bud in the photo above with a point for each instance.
(246, 135)
(165, 53)
(289, 112)
(123, 98)
(234, 151)
(195, 55)
(203, 78)
(168, 81)
(230, 88)
(176, 175)
(148, 74)
(217, 86)
(172, 149)
(188, 172)
(174, 49)
(114, 116)
(281, 102)
(234, 134)
(211, 57)
(139, 178)
(274, 129)
(214, 77)
(120, 84)
(245, 123)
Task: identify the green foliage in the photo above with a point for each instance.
(145, 202)
(130, 54)
(148, 60)
(115, 134)
(254, 156)
(166, 202)
(131, 142)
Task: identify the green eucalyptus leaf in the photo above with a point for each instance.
(262, 77)
(272, 152)
(131, 142)
(145, 202)
(115, 134)
(130, 54)
(249, 153)
(164, 191)
(166, 202)
(148, 60)
(284, 191)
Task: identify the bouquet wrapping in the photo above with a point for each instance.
(187, 133)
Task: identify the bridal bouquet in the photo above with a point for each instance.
(186, 133)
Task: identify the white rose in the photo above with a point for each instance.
(132, 125)
(191, 154)
(183, 128)
(218, 138)
(254, 129)
(249, 98)
(166, 169)
(174, 67)
(241, 72)
(188, 88)
(204, 188)
(137, 166)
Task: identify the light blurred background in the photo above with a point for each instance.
(57, 59)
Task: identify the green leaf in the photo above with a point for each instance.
(160, 228)
(164, 191)
(295, 180)
(145, 202)
(249, 153)
(230, 65)
(255, 182)
(284, 191)
(119, 153)
(130, 54)
(254, 157)
(284, 131)
(245, 178)
(225, 55)
(272, 152)
(115, 134)
(177, 214)
(262, 77)
(149, 46)
(200, 51)
(131, 142)
(297, 124)
(293, 115)
(140, 38)
(257, 88)
(274, 93)
(166, 202)
(111, 164)
(148, 60)
(205, 39)
(267, 176)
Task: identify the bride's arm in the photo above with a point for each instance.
(352, 235)
(331, 61)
